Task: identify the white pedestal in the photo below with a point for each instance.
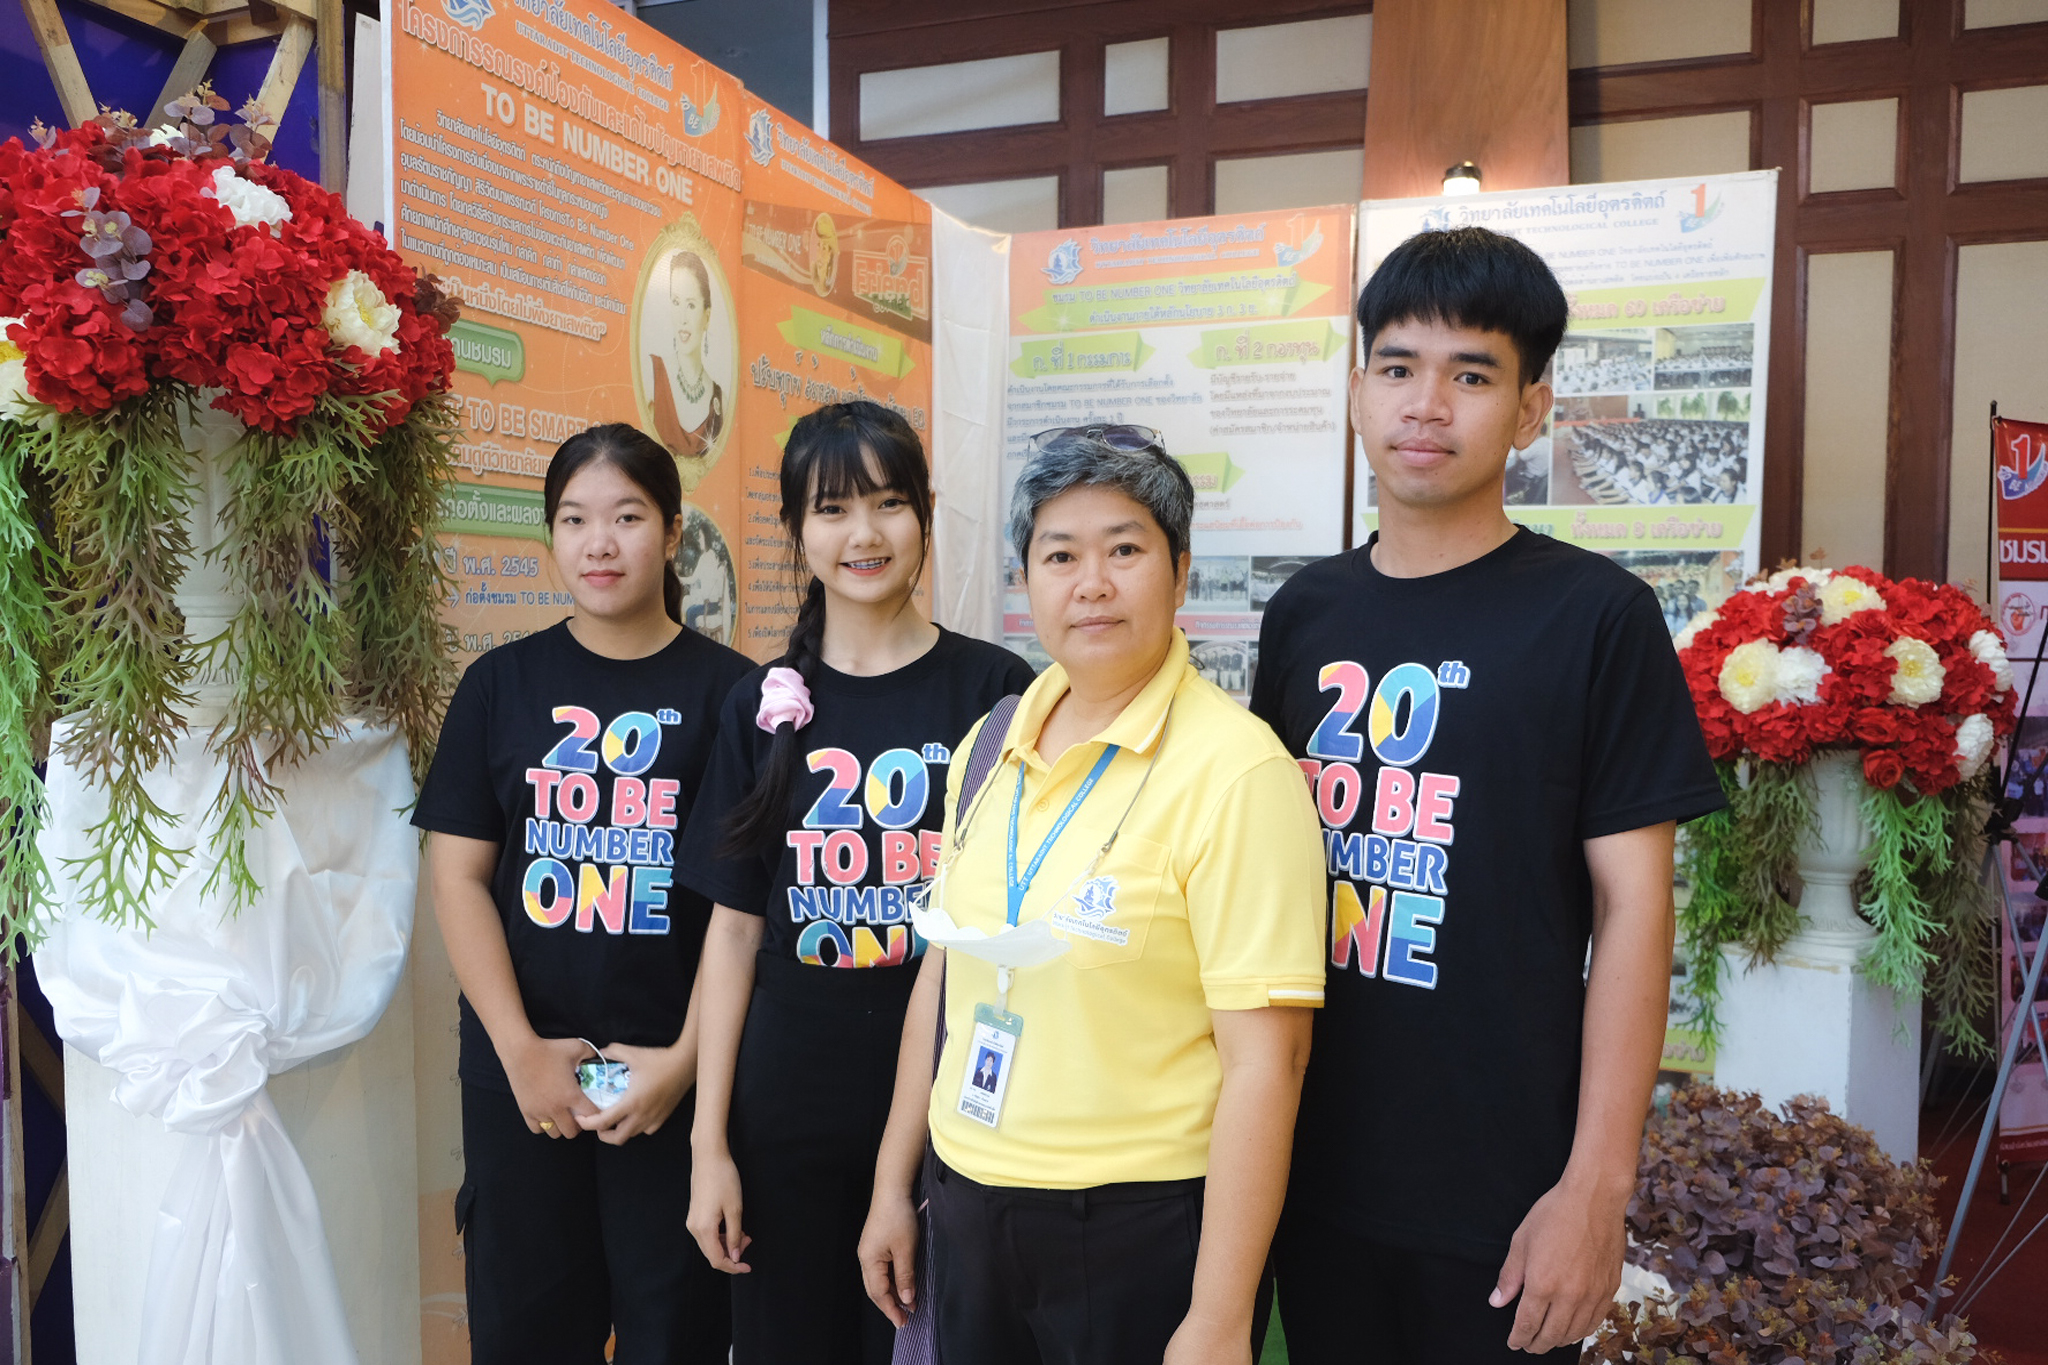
(349, 1113)
(1812, 1024)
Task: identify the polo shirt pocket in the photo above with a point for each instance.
(1108, 917)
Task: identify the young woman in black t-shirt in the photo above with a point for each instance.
(568, 763)
(817, 832)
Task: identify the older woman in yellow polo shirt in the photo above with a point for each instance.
(1128, 924)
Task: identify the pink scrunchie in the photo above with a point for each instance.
(783, 698)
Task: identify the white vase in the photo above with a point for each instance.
(1830, 858)
(240, 1105)
(207, 594)
(1811, 1022)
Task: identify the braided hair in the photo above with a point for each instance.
(842, 450)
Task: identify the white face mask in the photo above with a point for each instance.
(1026, 945)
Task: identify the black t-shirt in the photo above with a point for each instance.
(866, 807)
(582, 769)
(1465, 733)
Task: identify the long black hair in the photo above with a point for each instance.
(640, 458)
(843, 450)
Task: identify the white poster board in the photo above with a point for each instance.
(1232, 337)
(1654, 450)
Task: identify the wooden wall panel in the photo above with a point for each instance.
(1466, 81)
(879, 35)
(1924, 221)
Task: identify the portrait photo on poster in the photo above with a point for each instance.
(710, 587)
(685, 348)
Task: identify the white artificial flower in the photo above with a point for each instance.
(15, 403)
(1842, 597)
(359, 315)
(1800, 671)
(1990, 651)
(1684, 638)
(1920, 674)
(247, 200)
(1782, 579)
(1749, 676)
(164, 135)
(1973, 744)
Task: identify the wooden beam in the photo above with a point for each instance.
(41, 1061)
(16, 1241)
(243, 28)
(1464, 80)
(294, 45)
(187, 72)
(150, 13)
(48, 1238)
(305, 9)
(74, 95)
(332, 27)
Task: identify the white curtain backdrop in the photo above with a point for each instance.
(970, 345)
(195, 1016)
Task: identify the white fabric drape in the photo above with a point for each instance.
(970, 348)
(196, 1015)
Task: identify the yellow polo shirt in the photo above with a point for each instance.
(1215, 902)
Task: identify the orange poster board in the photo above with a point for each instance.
(575, 180)
(836, 291)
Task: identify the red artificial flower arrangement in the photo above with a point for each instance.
(135, 258)
(1912, 674)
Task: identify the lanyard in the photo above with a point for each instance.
(1019, 887)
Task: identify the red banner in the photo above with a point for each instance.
(2019, 457)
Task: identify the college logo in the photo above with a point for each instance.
(1436, 220)
(2019, 475)
(1295, 255)
(1701, 213)
(1096, 899)
(1093, 902)
(696, 122)
(761, 138)
(468, 13)
(1063, 266)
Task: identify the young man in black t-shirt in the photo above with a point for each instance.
(1501, 744)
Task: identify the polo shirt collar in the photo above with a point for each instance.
(1137, 729)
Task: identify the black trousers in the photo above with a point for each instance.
(1101, 1276)
(1346, 1301)
(811, 1091)
(566, 1241)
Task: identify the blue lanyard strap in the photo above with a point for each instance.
(1019, 887)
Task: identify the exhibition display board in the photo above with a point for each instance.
(2020, 487)
(634, 238)
(1229, 335)
(1654, 451)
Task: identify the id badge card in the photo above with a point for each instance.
(991, 1052)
